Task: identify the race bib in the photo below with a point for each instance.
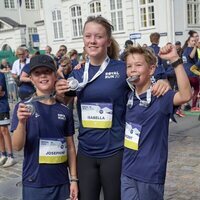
(96, 115)
(52, 151)
(132, 136)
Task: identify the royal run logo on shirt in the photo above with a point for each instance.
(61, 116)
(109, 75)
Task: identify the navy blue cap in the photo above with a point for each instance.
(42, 61)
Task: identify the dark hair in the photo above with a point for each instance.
(63, 46)
(154, 38)
(37, 53)
(113, 50)
(127, 43)
(191, 33)
(177, 43)
(186, 42)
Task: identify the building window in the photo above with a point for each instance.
(193, 12)
(30, 4)
(95, 8)
(9, 3)
(147, 13)
(117, 15)
(76, 21)
(31, 30)
(57, 24)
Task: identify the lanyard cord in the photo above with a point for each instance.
(144, 103)
(86, 72)
(39, 98)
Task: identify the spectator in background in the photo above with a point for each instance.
(60, 53)
(73, 54)
(26, 88)
(48, 51)
(65, 67)
(194, 34)
(190, 58)
(19, 64)
(83, 57)
(27, 52)
(191, 33)
(6, 152)
(5, 67)
(127, 44)
(11, 85)
(178, 48)
(155, 40)
(160, 70)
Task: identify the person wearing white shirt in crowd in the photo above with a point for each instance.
(19, 63)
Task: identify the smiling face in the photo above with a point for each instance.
(44, 80)
(137, 66)
(96, 41)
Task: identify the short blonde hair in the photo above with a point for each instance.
(149, 56)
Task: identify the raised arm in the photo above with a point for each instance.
(184, 94)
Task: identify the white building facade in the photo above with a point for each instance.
(61, 21)
(17, 22)
(135, 19)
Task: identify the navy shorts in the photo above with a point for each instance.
(132, 189)
(4, 118)
(60, 192)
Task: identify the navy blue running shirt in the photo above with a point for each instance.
(109, 87)
(50, 122)
(148, 163)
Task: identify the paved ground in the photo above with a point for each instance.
(183, 179)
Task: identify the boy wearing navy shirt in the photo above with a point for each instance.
(45, 129)
(147, 121)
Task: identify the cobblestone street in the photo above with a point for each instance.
(183, 180)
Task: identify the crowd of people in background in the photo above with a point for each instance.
(19, 84)
(102, 71)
